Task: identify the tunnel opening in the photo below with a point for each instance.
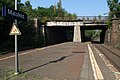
(59, 34)
(69, 34)
(93, 34)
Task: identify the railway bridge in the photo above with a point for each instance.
(63, 29)
(69, 60)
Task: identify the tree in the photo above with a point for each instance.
(28, 9)
(99, 17)
(27, 39)
(114, 7)
(89, 34)
(95, 18)
(7, 3)
(60, 8)
(54, 9)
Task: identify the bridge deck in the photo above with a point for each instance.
(81, 23)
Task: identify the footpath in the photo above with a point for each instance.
(66, 61)
(113, 50)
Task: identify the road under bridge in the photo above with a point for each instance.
(64, 31)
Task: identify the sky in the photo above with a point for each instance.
(79, 7)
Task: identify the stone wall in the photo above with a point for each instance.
(113, 34)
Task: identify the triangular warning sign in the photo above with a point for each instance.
(15, 30)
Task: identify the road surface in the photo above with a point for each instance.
(66, 61)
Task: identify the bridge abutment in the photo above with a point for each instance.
(77, 34)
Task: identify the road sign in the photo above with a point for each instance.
(15, 30)
(14, 14)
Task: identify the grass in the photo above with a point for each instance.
(8, 74)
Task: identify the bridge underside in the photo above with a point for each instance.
(102, 34)
(60, 34)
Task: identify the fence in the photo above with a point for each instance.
(75, 18)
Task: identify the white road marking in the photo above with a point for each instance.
(39, 49)
(6, 58)
(110, 66)
(97, 72)
(117, 72)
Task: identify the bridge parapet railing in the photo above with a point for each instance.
(93, 18)
(77, 18)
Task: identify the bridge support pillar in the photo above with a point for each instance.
(77, 34)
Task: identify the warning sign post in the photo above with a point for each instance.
(15, 30)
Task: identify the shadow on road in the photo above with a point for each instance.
(96, 42)
(54, 61)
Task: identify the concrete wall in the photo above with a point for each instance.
(77, 34)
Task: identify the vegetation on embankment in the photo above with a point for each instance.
(27, 39)
(113, 33)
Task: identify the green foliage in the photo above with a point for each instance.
(99, 17)
(27, 39)
(95, 18)
(114, 8)
(89, 34)
(109, 24)
(7, 73)
(28, 34)
(49, 13)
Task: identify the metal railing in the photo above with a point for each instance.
(104, 18)
(78, 18)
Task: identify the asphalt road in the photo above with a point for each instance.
(66, 61)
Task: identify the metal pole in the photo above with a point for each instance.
(16, 57)
(16, 52)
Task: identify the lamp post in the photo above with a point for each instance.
(16, 51)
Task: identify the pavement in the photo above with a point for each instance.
(66, 61)
(112, 49)
(111, 53)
